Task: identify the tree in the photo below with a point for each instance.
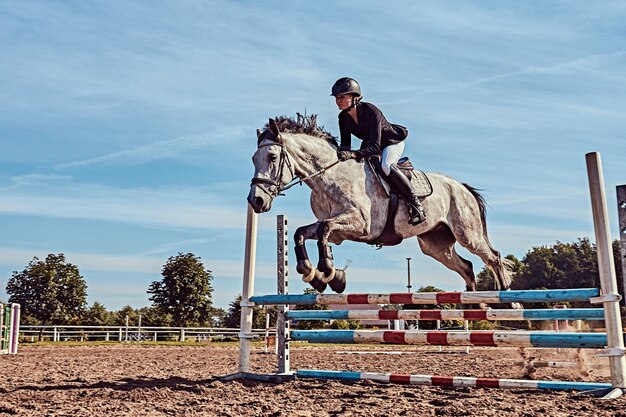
(311, 324)
(232, 319)
(50, 291)
(428, 324)
(97, 315)
(562, 265)
(185, 290)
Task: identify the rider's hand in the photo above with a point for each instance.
(345, 155)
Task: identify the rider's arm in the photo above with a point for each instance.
(373, 137)
(346, 136)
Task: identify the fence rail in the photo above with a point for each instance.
(129, 333)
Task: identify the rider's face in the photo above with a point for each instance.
(343, 101)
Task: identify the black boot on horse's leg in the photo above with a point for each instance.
(304, 266)
(401, 184)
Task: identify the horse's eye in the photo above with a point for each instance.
(273, 157)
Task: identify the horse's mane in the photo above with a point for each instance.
(304, 124)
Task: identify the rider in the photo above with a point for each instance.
(367, 122)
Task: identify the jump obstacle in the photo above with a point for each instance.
(10, 328)
(612, 342)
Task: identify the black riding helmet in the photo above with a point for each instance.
(346, 85)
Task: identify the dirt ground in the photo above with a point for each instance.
(136, 380)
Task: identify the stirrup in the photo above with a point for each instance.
(416, 215)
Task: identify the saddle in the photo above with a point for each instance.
(419, 183)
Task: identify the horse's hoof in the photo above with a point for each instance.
(327, 278)
(338, 284)
(308, 278)
(318, 284)
(517, 306)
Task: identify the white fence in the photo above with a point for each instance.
(129, 333)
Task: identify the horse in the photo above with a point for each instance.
(350, 203)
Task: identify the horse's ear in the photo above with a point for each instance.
(258, 133)
(274, 128)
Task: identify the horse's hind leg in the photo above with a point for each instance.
(480, 246)
(439, 244)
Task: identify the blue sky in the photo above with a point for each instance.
(127, 128)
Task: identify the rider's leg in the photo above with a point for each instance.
(391, 155)
(400, 182)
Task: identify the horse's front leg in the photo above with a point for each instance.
(304, 265)
(350, 223)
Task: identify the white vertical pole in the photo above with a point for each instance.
(621, 216)
(249, 261)
(608, 281)
(267, 331)
(15, 328)
(437, 327)
(282, 276)
(3, 330)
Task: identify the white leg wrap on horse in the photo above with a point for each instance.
(327, 279)
(309, 278)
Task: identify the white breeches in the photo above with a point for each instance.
(391, 155)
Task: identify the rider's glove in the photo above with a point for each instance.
(345, 155)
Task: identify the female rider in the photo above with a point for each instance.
(367, 122)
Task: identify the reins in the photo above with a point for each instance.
(301, 180)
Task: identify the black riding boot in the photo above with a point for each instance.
(401, 184)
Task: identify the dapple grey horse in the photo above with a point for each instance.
(351, 204)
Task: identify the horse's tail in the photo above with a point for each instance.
(503, 277)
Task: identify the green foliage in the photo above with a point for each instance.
(232, 319)
(50, 291)
(347, 324)
(153, 317)
(311, 324)
(97, 315)
(428, 324)
(563, 265)
(482, 325)
(185, 291)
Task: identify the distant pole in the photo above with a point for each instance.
(408, 271)
(621, 214)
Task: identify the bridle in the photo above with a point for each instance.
(273, 187)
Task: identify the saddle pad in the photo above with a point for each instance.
(419, 180)
(421, 184)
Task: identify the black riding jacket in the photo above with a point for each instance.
(373, 129)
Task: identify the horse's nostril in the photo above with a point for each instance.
(258, 202)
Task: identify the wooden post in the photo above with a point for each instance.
(245, 328)
(282, 275)
(621, 216)
(608, 281)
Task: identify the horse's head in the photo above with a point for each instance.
(273, 169)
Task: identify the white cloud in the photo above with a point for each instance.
(162, 149)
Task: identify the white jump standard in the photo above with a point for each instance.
(9, 328)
